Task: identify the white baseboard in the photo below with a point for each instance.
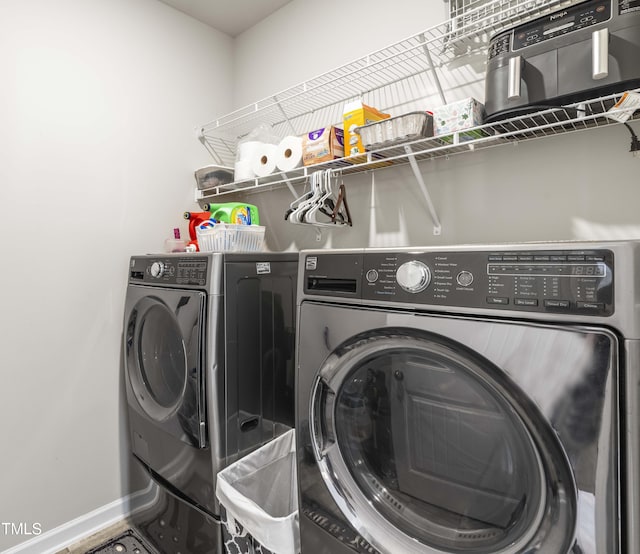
(84, 526)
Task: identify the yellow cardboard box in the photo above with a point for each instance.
(355, 114)
(322, 145)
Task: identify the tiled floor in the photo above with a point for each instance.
(97, 538)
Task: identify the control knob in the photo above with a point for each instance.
(157, 269)
(372, 276)
(464, 278)
(413, 276)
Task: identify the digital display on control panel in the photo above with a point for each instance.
(547, 270)
(561, 22)
(598, 270)
(554, 27)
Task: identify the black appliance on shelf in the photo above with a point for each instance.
(588, 50)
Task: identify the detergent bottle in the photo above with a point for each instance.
(195, 219)
(238, 213)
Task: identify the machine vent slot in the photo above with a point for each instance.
(324, 284)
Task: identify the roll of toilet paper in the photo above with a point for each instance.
(243, 170)
(247, 150)
(264, 160)
(245, 154)
(289, 153)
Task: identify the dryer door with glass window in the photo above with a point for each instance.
(427, 445)
(164, 334)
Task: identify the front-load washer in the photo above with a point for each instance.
(209, 364)
(475, 399)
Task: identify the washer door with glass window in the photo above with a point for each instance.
(427, 446)
(163, 357)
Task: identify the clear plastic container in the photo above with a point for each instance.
(403, 128)
(226, 237)
(213, 176)
(175, 245)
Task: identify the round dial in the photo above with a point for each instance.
(372, 276)
(464, 278)
(157, 269)
(413, 276)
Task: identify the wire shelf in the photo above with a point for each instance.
(549, 122)
(411, 71)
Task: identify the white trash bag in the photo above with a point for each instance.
(259, 494)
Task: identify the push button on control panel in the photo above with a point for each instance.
(525, 301)
(499, 300)
(464, 278)
(590, 306)
(561, 304)
(372, 276)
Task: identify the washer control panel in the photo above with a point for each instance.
(558, 281)
(189, 271)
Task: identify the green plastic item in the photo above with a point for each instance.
(239, 213)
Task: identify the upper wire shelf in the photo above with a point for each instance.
(549, 122)
(388, 78)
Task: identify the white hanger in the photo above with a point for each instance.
(297, 216)
(319, 206)
(315, 212)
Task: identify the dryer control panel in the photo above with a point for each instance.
(558, 281)
(169, 270)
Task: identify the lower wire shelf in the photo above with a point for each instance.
(551, 121)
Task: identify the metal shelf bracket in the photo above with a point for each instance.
(432, 66)
(284, 114)
(289, 184)
(437, 226)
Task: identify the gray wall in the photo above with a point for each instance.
(98, 106)
(304, 39)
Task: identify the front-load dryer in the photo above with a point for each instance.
(209, 366)
(478, 400)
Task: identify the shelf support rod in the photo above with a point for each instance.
(286, 117)
(289, 184)
(209, 148)
(427, 53)
(437, 226)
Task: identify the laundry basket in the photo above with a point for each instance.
(228, 237)
(259, 499)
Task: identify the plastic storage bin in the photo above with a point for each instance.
(403, 128)
(213, 176)
(259, 500)
(227, 237)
